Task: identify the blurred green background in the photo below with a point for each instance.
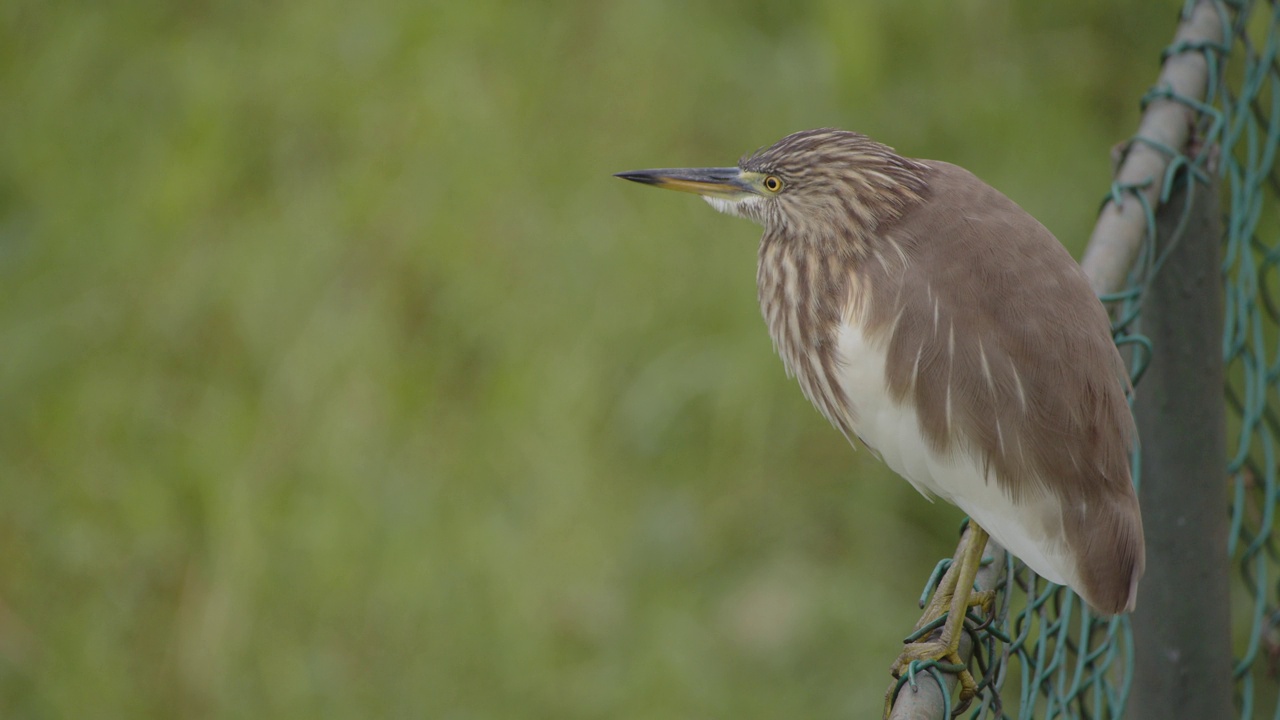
(340, 379)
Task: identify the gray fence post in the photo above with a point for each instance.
(1182, 632)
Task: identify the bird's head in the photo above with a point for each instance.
(811, 182)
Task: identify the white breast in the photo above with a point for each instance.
(1030, 529)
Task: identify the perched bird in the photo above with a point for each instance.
(928, 315)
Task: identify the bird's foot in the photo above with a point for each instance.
(936, 638)
(920, 655)
(984, 600)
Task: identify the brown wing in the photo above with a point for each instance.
(1021, 363)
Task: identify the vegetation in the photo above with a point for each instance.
(340, 379)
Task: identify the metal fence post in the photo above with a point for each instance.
(1182, 632)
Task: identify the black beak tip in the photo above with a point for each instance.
(637, 176)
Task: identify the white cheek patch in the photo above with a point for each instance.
(738, 208)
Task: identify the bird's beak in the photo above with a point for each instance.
(727, 183)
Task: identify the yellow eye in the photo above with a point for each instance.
(772, 184)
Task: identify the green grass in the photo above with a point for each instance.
(340, 379)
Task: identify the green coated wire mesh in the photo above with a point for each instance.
(1247, 121)
(1043, 654)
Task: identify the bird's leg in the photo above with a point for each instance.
(953, 597)
(941, 599)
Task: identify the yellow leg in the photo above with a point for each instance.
(953, 596)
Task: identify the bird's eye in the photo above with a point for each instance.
(772, 184)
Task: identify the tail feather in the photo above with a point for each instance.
(1110, 555)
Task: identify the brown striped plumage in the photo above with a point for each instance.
(904, 291)
(817, 236)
